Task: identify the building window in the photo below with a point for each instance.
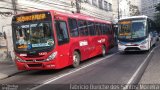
(100, 4)
(83, 1)
(110, 7)
(89, 1)
(105, 6)
(94, 2)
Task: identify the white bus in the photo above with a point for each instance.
(136, 33)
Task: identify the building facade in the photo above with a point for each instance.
(135, 2)
(148, 7)
(101, 9)
(128, 8)
(124, 8)
(115, 10)
(6, 13)
(135, 7)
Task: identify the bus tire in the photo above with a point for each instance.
(76, 59)
(103, 51)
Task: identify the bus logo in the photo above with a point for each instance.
(83, 43)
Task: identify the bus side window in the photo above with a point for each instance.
(97, 26)
(110, 29)
(103, 30)
(100, 29)
(73, 27)
(91, 28)
(150, 26)
(83, 29)
(80, 27)
(62, 34)
(86, 31)
(107, 28)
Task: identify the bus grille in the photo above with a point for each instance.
(41, 60)
(132, 49)
(35, 65)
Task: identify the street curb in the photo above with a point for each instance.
(4, 76)
(142, 70)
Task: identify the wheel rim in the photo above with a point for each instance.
(103, 51)
(75, 59)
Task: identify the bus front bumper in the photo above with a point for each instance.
(133, 48)
(36, 65)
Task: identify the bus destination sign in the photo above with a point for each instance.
(31, 17)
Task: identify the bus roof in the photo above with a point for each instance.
(73, 15)
(81, 16)
(134, 17)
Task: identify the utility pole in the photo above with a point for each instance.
(78, 6)
(14, 6)
(118, 9)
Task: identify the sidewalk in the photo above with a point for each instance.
(7, 66)
(3, 53)
(7, 69)
(152, 72)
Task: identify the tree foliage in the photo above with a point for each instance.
(134, 10)
(157, 7)
(157, 16)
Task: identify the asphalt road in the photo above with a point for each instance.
(116, 68)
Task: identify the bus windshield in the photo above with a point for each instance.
(34, 35)
(132, 29)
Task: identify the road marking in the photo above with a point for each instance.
(138, 70)
(72, 71)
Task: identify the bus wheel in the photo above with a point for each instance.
(76, 59)
(103, 51)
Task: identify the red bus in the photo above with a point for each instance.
(52, 40)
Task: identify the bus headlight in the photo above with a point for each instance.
(144, 42)
(19, 59)
(52, 56)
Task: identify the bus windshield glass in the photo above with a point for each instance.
(132, 29)
(32, 34)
